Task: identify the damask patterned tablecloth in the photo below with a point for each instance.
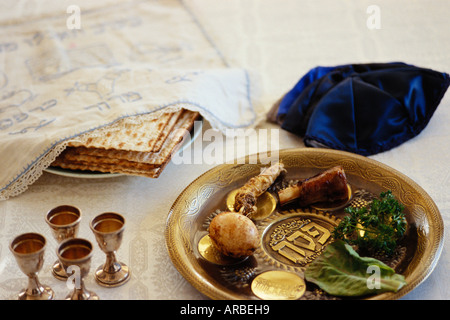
(280, 42)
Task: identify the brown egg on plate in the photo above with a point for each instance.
(233, 234)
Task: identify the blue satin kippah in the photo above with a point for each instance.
(362, 108)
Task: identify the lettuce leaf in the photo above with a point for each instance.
(340, 271)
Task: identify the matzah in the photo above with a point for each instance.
(103, 158)
(166, 131)
(179, 130)
(88, 166)
(141, 136)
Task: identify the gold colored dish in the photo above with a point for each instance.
(293, 237)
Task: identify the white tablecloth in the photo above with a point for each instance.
(279, 40)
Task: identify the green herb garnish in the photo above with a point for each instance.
(340, 271)
(376, 228)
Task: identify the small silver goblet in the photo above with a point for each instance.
(75, 256)
(108, 229)
(63, 221)
(28, 250)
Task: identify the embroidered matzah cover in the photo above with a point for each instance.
(126, 59)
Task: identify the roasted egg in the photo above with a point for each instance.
(233, 234)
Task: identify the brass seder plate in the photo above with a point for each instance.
(292, 237)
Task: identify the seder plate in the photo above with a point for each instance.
(291, 238)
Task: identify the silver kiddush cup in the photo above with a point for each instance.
(75, 256)
(108, 229)
(63, 221)
(28, 250)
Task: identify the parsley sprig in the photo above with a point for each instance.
(376, 228)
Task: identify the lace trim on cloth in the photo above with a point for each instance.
(30, 176)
